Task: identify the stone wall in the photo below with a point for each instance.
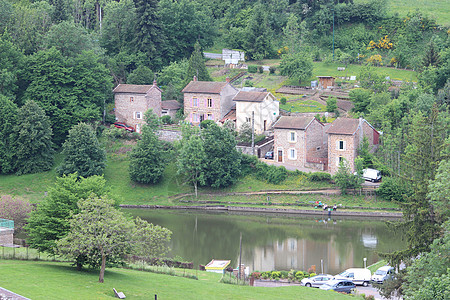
(169, 135)
(349, 153)
(202, 109)
(282, 143)
(6, 236)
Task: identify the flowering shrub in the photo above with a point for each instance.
(375, 60)
(299, 275)
(282, 50)
(276, 275)
(15, 209)
(384, 43)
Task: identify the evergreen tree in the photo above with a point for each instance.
(8, 117)
(32, 144)
(83, 153)
(148, 159)
(197, 66)
(431, 57)
(222, 165)
(257, 41)
(148, 33)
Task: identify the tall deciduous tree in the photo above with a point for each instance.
(33, 146)
(50, 221)
(258, 35)
(8, 115)
(83, 153)
(98, 231)
(191, 161)
(222, 165)
(141, 75)
(297, 66)
(69, 38)
(11, 60)
(197, 66)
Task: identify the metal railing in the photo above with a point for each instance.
(8, 224)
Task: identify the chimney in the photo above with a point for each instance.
(228, 79)
(361, 132)
(154, 82)
(195, 78)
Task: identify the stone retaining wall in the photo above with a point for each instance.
(169, 135)
(6, 236)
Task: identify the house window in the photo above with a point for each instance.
(317, 148)
(292, 153)
(195, 102)
(138, 115)
(210, 117)
(131, 99)
(195, 118)
(292, 137)
(209, 102)
(340, 145)
(339, 159)
(138, 128)
(248, 119)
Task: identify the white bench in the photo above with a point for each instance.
(119, 295)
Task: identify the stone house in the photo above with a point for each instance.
(207, 100)
(344, 138)
(264, 105)
(170, 108)
(131, 101)
(300, 142)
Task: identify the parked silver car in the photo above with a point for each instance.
(316, 281)
(339, 285)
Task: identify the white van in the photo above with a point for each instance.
(372, 175)
(382, 274)
(357, 275)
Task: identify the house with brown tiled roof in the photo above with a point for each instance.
(131, 101)
(262, 105)
(170, 108)
(207, 100)
(300, 142)
(344, 138)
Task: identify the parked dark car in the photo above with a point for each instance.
(123, 126)
(269, 155)
(339, 285)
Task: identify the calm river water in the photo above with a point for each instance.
(274, 242)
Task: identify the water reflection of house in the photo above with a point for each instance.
(300, 254)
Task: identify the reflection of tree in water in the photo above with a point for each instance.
(216, 235)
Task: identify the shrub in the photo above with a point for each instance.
(276, 175)
(256, 275)
(266, 275)
(276, 275)
(393, 189)
(319, 176)
(312, 274)
(272, 70)
(248, 83)
(284, 274)
(248, 164)
(283, 101)
(207, 123)
(260, 69)
(166, 120)
(299, 275)
(252, 69)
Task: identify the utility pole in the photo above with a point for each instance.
(253, 133)
(240, 257)
(333, 33)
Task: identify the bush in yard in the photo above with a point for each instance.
(276, 175)
(284, 274)
(15, 209)
(256, 275)
(299, 275)
(276, 275)
(319, 176)
(260, 69)
(272, 70)
(252, 69)
(167, 120)
(283, 101)
(266, 275)
(312, 274)
(248, 164)
(393, 189)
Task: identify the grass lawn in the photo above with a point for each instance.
(48, 280)
(303, 106)
(376, 265)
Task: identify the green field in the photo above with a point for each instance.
(48, 280)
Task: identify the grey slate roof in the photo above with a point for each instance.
(205, 87)
(170, 104)
(132, 88)
(286, 122)
(250, 96)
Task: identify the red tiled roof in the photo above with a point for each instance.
(231, 115)
(206, 87)
(286, 122)
(132, 88)
(250, 96)
(170, 104)
(343, 126)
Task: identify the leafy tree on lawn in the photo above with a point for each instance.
(197, 66)
(98, 231)
(345, 179)
(148, 158)
(361, 99)
(297, 66)
(8, 115)
(222, 165)
(191, 160)
(104, 234)
(83, 153)
(331, 104)
(370, 79)
(50, 221)
(32, 140)
(141, 75)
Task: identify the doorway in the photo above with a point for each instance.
(280, 155)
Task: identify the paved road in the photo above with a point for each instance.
(8, 295)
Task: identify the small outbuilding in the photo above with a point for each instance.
(326, 82)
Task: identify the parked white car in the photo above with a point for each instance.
(316, 281)
(382, 274)
(359, 276)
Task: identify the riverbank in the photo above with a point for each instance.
(317, 212)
